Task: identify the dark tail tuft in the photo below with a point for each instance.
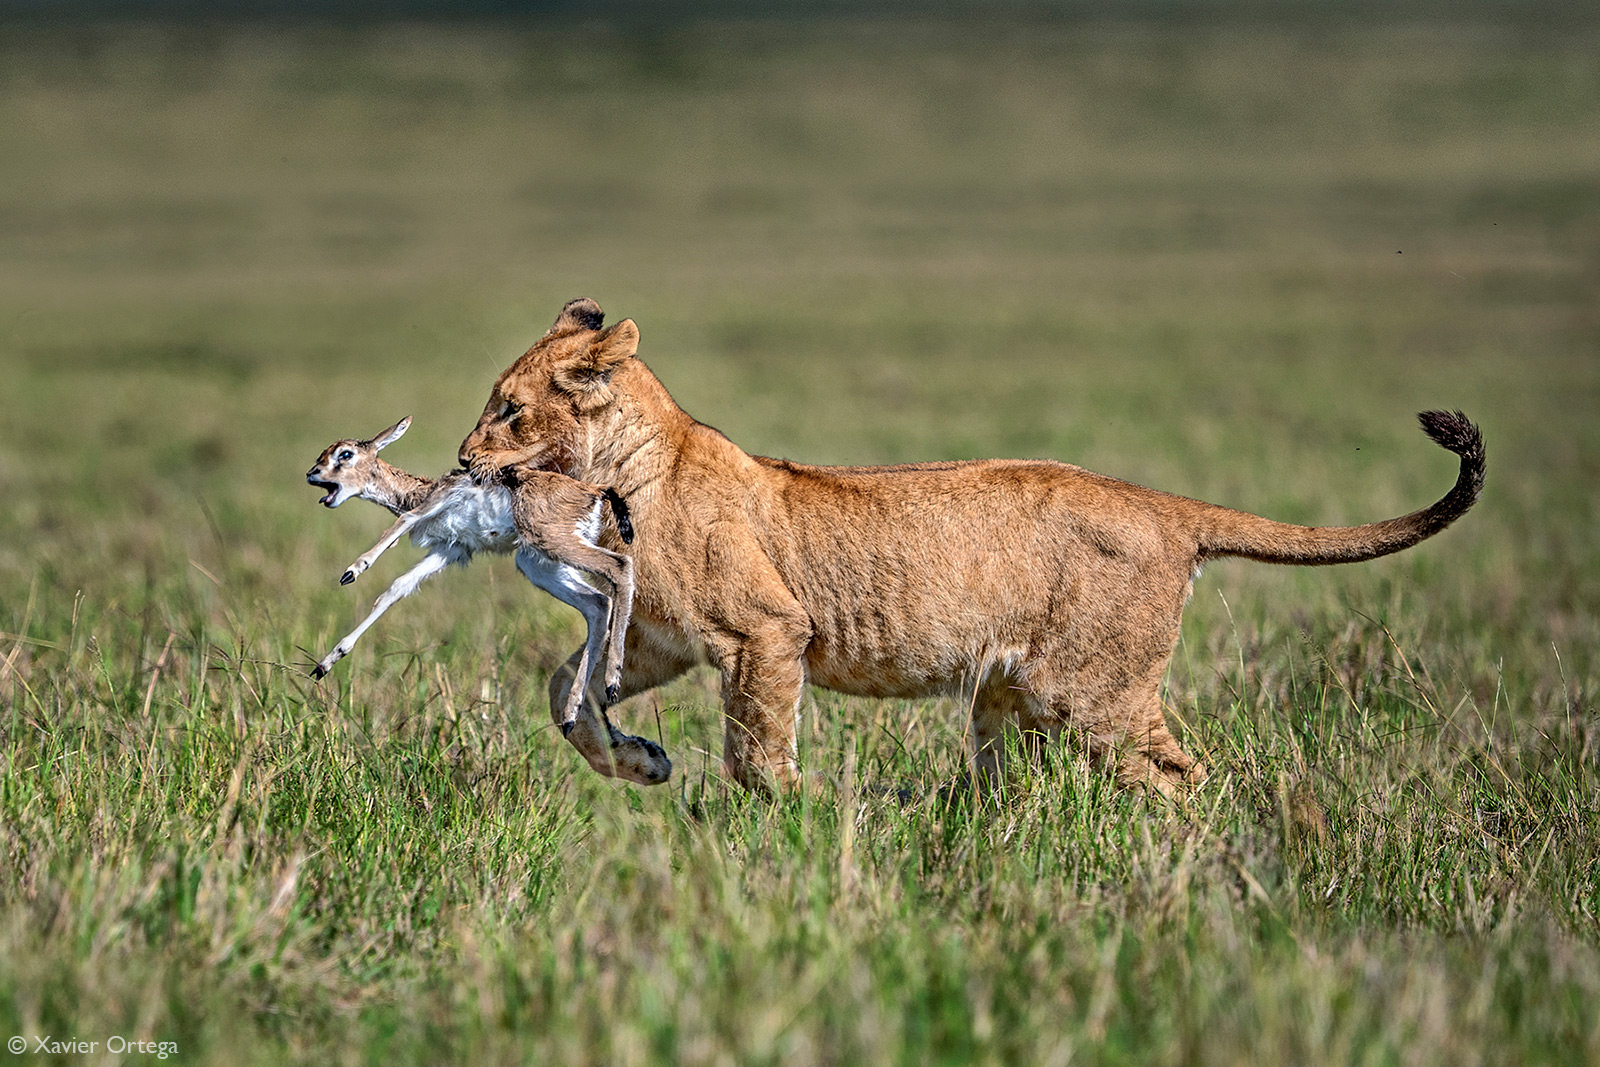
(1453, 430)
(619, 511)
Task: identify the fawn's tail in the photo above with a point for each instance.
(619, 511)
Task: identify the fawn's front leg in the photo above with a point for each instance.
(399, 529)
(403, 586)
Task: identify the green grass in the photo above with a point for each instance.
(1228, 262)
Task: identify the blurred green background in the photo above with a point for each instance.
(1228, 255)
(1228, 260)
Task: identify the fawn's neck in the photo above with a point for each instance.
(395, 489)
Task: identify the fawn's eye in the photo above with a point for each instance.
(346, 455)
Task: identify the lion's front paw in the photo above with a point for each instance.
(640, 760)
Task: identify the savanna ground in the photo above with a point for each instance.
(1231, 262)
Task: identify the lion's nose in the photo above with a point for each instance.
(465, 459)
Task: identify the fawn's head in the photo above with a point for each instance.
(347, 467)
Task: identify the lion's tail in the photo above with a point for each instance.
(1225, 532)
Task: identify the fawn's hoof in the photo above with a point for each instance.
(347, 577)
(319, 672)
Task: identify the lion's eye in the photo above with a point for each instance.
(507, 409)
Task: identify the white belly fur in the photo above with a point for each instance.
(476, 519)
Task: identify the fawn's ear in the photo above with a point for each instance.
(392, 434)
(579, 314)
(587, 374)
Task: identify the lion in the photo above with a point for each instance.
(1045, 596)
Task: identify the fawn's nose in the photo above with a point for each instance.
(311, 475)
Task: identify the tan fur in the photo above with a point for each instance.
(1045, 595)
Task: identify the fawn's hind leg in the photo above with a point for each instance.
(563, 583)
(569, 547)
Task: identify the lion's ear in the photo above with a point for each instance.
(589, 372)
(616, 346)
(579, 314)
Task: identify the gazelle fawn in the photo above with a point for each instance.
(551, 523)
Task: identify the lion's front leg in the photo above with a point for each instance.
(762, 681)
(604, 747)
(757, 634)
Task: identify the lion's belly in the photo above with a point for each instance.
(880, 677)
(914, 645)
(917, 593)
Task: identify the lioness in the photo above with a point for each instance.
(1045, 595)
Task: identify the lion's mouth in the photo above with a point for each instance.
(482, 474)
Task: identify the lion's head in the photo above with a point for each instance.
(537, 407)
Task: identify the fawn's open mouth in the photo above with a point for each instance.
(331, 487)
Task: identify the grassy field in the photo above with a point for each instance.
(1228, 262)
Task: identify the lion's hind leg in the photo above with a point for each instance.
(999, 708)
(1126, 732)
(1116, 719)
